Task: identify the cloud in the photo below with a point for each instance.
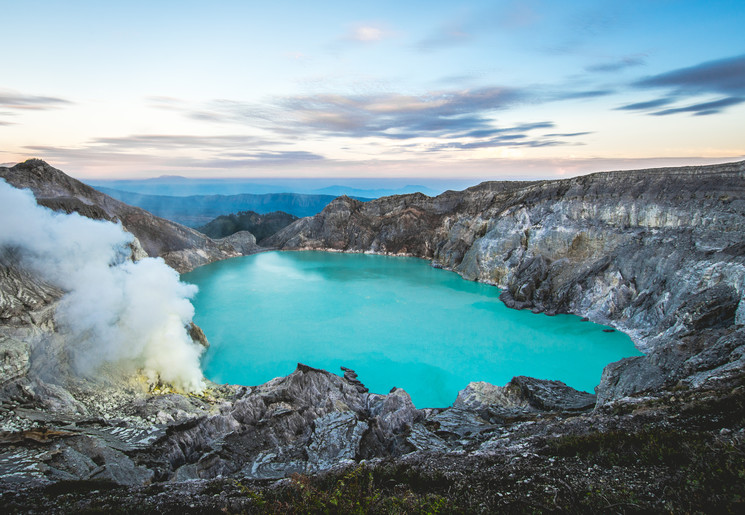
(367, 34)
(703, 108)
(14, 100)
(724, 76)
(614, 66)
(517, 128)
(177, 141)
(566, 134)
(391, 115)
(649, 104)
(719, 77)
(452, 34)
(573, 95)
(502, 141)
(450, 115)
(164, 150)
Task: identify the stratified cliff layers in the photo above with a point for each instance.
(656, 253)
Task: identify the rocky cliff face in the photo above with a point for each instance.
(657, 253)
(181, 247)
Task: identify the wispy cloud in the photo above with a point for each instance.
(459, 119)
(511, 16)
(726, 76)
(719, 77)
(392, 115)
(579, 94)
(229, 151)
(648, 104)
(15, 100)
(566, 134)
(451, 34)
(366, 34)
(703, 108)
(176, 141)
(617, 65)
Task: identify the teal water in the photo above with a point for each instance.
(395, 321)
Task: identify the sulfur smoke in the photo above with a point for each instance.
(129, 315)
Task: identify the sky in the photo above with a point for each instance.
(421, 89)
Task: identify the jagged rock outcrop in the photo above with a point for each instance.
(181, 247)
(306, 422)
(656, 253)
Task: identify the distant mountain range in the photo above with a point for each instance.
(198, 210)
(177, 186)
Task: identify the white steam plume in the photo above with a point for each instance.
(132, 315)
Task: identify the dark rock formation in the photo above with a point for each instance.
(261, 226)
(351, 377)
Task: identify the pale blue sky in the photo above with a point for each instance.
(375, 89)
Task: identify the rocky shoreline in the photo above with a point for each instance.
(656, 253)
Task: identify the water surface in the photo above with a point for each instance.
(396, 321)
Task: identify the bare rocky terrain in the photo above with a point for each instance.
(656, 253)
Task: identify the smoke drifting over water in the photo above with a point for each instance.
(128, 314)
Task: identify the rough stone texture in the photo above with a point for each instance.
(181, 247)
(524, 393)
(242, 241)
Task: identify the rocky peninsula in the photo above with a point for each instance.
(656, 253)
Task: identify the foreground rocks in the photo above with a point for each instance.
(307, 422)
(680, 451)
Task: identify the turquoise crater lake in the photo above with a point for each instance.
(395, 321)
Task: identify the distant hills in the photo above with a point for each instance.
(198, 210)
(178, 186)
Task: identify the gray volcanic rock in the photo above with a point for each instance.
(523, 393)
(242, 241)
(656, 253)
(260, 225)
(181, 247)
